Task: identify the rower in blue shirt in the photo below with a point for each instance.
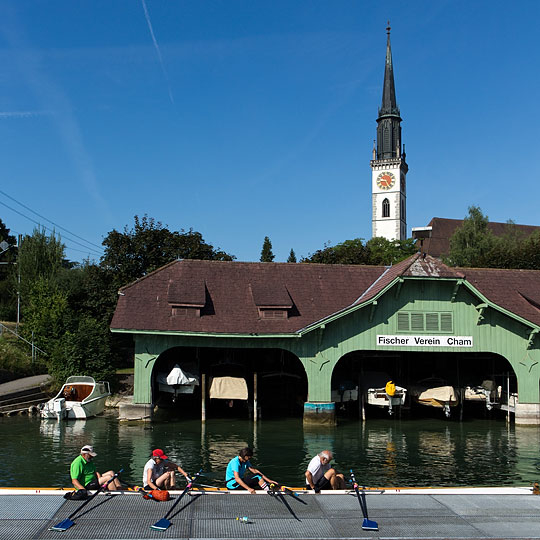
(240, 473)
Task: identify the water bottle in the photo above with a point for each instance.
(243, 519)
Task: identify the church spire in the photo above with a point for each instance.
(388, 122)
(389, 105)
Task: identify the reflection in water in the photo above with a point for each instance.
(384, 452)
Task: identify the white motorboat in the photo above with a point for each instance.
(380, 391)
(487, 392)
(388, 396)
(80, 397)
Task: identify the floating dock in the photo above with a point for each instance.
(400, 514)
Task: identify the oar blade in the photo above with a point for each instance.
(161, 525)
(369, 525)
(63, 525)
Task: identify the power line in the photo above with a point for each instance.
(43, 217)
(87, 249)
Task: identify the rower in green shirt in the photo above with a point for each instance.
(84, 475)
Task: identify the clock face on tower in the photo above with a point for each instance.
(386, 180)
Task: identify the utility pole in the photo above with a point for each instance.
(19, 284)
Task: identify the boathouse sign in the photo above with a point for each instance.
(424, 341)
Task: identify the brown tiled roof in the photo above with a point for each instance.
(233, 291)
(517, 291)
(444, 228)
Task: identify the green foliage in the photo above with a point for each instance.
(9, 255)
(47, 315)
(85, 351)
(16, 359)
(292, 257)
(134, 253)
(40, 257)
(474, 245)
(266, 252)
(386, 252)
(378, 251)
(8, 294)
(471, 243)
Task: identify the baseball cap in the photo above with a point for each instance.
(159, 454)
(87, 449)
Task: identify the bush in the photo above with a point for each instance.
(86, 351)
(16, 361)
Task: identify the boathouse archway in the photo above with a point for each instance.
(483, 382)
(274, 381)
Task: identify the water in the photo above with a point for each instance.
(386, 452)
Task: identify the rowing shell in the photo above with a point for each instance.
(507, 490)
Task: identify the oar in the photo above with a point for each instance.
(67, 523)
(367, 524)
(163, 524)
(279, 493)
(279, 489)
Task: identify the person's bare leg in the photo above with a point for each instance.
(104, 478)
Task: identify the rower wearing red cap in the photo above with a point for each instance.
(159, 471)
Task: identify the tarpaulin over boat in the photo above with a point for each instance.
(436, 396)
(177, 376)
(228, 388)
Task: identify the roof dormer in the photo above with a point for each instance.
(272, 300)
(186, 299)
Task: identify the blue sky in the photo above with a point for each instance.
(245, 119)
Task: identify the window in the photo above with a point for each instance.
(186, 312)
(430, 322)
(272, 313)
(386, 208)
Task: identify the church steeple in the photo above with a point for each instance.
(388, 122)
(388, 166)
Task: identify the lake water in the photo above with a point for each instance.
(385, 452)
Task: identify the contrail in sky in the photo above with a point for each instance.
(156, 46)
(22, 114)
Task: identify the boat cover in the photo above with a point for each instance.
(177, 376)
(435, 396)
(228, 388)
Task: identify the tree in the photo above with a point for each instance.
(47, 315)
(9, 253)
(266, 252)
(149, 245)
(348, 252)
(471, 243)
(39, 257)
(292, 257)
(85, 351)
(8, 303)
(379, 251)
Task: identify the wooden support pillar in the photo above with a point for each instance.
(203, 397)
(255, 411)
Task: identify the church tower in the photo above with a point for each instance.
(388, 166)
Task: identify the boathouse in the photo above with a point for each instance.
(300, 335)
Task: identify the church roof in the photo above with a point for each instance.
(444, 228)
(231, 295)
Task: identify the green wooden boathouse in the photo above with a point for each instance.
(320, 325)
